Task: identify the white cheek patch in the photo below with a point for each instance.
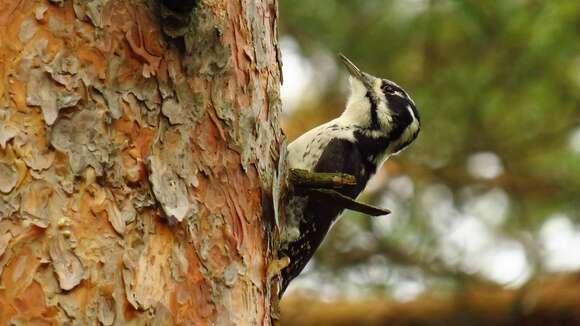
(383, 112)
(384, 115)
(414, 123)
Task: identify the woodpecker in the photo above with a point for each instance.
(380, 120)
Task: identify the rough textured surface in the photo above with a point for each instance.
(137, 161)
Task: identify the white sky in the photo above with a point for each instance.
(297, 73)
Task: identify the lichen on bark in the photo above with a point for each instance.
(135, 173)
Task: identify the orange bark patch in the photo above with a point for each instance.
(192, 298)
(92, 60)
(8, 11)
(18, 273)
(32, 303)
(91, 219)
(17, 92)
(140, 31)
(140, 140)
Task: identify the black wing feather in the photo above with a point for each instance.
(340, 155)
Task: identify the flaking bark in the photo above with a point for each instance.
(136, 167)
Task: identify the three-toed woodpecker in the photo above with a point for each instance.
(380, 119)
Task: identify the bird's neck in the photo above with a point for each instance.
(373, 144)
(357, 112)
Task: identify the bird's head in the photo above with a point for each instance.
(381, 107)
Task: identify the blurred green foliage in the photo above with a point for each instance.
(499, 77)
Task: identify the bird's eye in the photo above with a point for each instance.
(388, 89)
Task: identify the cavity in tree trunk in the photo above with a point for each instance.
(138, 149)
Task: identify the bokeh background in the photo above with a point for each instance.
(485, 226)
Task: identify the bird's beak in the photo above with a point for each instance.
(365, 78)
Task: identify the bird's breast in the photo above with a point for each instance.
(306, 150)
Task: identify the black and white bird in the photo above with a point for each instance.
(380, 120)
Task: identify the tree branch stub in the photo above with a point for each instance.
(324, 184)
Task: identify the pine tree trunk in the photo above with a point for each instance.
(138, 148)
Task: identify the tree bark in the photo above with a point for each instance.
(139, 142)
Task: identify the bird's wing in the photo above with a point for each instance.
(342, 155)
